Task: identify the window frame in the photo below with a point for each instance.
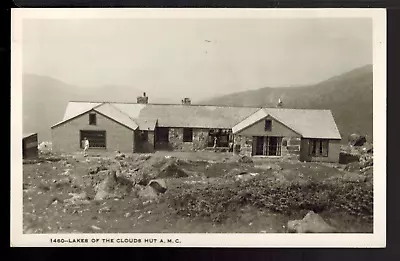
(86, 133)
(186, 137)
(91, 121)
(316, 148)
(268, 127)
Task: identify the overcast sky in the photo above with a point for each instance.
(195, 58)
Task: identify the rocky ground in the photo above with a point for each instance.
(194, 192)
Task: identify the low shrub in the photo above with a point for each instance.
(216, 200)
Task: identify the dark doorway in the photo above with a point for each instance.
(162, 138)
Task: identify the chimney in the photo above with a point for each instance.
(142, 99)
(280, 104)
(186, 101)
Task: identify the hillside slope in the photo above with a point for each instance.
(45, 100)
(348, 96)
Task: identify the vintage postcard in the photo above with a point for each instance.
(198, 127)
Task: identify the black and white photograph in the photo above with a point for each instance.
(198, 127)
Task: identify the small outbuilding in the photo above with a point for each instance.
(30, 146)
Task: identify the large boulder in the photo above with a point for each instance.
(148, 193)
(159, 185)
(106, 186)
(357, 140)
(311, 223)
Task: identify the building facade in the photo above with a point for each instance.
(142, 128)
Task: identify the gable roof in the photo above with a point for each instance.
(146, 116)
(106, 109)
(308, 123)
(112, 112)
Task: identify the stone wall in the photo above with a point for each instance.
(245, 143)
(199, 141)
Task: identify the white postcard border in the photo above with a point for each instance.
(376, 239)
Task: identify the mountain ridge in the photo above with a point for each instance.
(45, 99)
(348, 96)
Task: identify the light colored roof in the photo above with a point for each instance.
(74, 109)
(77, 108)
(253, 118)
(169, 115)
(195, 116)
(146, 124)
(131, 109)
(308, 123)
(117, 115)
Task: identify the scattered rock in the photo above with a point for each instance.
(245, 177)
(235, 172)
(77, 199)
(95, 228)
(120, 156)
(158, 185)
(97, 169)
(148, 193)
(245, 159)
(171, 170)
(311, 223)
(105, 209)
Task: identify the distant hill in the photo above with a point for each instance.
(45, 100)
(348, 96)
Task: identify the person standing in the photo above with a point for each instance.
(85, 146)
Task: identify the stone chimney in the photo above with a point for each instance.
(143, 99)
(186, 101)
(280, 104)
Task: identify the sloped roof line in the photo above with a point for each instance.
(251, 114)
(266, 114)
(123, 113)
(77, 115)
(283, 123)
(336, 127)
(247, 118)
(125, 122)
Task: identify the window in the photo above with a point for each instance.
(318, 148)
(92, 119)
(97, 139)
(221, 136)
(187, 135)
(162, 134)
(268, 125)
